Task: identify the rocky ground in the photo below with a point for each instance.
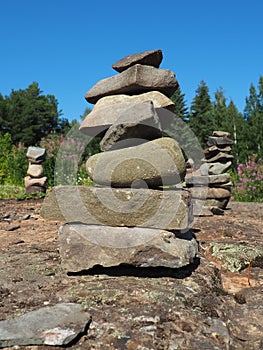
(214, 304)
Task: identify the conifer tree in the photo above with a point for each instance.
(180, 107)
(254, 116)
(201, 114)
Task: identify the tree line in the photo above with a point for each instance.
(28, 116)
(206, 115)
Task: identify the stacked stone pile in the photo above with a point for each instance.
(134, 204)
(212, 185)
(35, 181)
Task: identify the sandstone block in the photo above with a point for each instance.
(150, 58)
(219, 141)
(84, 246)
(214, 168)
(36, 154)
(168, 209)
(157, 163)
(35, 170)
(208, 180)
(109, 109)
(135, 80)
(209, 192)
(136, 125)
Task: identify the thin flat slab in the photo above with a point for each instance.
(210, 192)
(208, 180)
(219, 141)
(109, 109)
(220, 157)
(84, 246)
(55, 325)
(135, 80)
(164, 209)
(150, 58)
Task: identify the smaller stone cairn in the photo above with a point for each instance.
(210, 185)
(35, 181)
(133, 212)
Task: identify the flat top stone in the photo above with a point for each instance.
(134, 80)
(150, 58)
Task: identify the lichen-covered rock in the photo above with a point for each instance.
(236, 257)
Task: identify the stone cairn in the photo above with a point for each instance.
(35, 181)
(134, 214)
(212, 185)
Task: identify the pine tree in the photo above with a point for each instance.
(180, 107)
(254, 116)
(220, 111)
(236, 125)
(201, 114)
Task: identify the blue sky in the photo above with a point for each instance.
(67, 46)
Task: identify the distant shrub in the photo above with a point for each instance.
(13, 162)
(248, 181)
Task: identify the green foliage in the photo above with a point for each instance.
(201, 119)
(23, 196)
(28, 115)
(178, 98)
(248, 181)
(11, 191)
(13, 161)
(254, 116)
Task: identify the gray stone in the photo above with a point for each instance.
(167, 209)
(109, 109)
(209, 192)
(55, 325)
(219, 157)
(84, 246)
(214, 168)
(219, 141)
(36, 154)
(35, 170)
(208, 180)
(150, 58)
(135, 80)
(136, 125)
(221, 134)
(157, 163)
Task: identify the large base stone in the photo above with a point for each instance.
(84, 246)
(167, 209)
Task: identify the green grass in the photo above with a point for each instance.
(11, 191)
